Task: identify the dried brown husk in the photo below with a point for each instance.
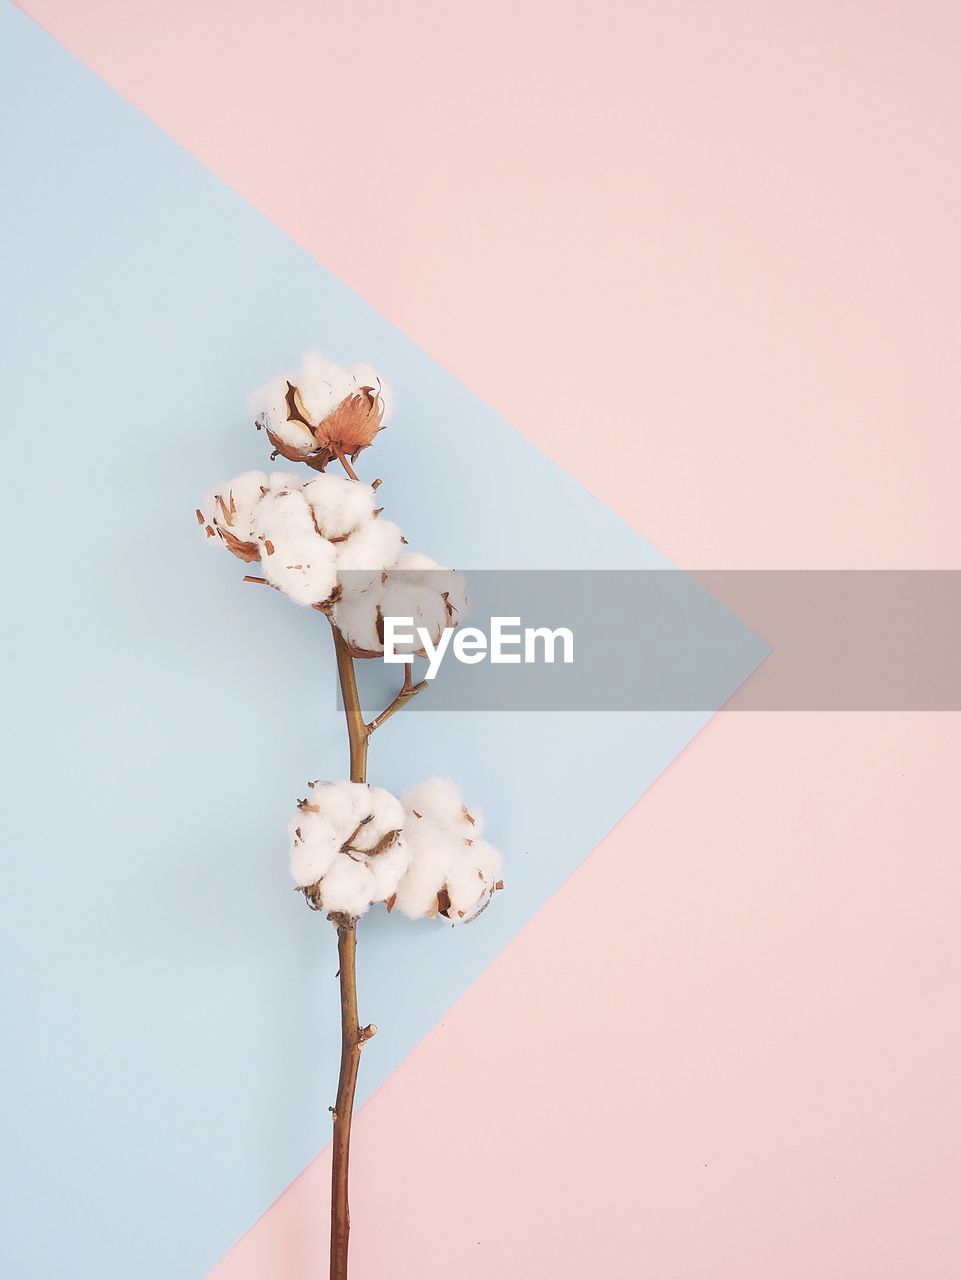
(247, 551)
(348, 429)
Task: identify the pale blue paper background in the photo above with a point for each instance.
(169, 1014)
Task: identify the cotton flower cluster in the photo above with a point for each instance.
(353, 845)
(415, 587)
(322, 411)
(304, 533)
(452, 871)
(344, 846)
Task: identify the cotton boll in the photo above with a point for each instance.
(386, 814)
(414, 562)
(284, 480)
(440, 804)
(344, 846)
(451, 586)
(455, 591)
(228, 514)
(342, 804)
(387, 869)
(366, 376)
(271, 410)
(452, 871)
(285, 515)
(269, 404)
(345, 414)
(368, 551)
(413, 600)
(414, 587)
(347, 887)
(313, 847)
(322, 386)
(306, 866)
(416, 894)
(413, 569)
(367, 863)
(355, 616)
(231, 505)
(471, 879)
(321, 411)
(308, 576)
(340, 505)
(294, 557)
(428, 854)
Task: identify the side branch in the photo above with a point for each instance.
(408, 691)
(358, 732)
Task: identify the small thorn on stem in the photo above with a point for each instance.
(366, 1033)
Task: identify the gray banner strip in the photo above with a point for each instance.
(684, 641)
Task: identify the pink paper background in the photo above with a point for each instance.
(706, 256)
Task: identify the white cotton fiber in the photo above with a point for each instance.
(231, 505)
(382, 814)
(340, 505)
(386, 870)
(452, 871)
(427, 608)
(322, 385)
(471, 878)
(355, 615)
(345, 848)
(269, 406)
(342, 804)
(336, 411)
(416, 569)
(367, 553)
(347, 886)
(414, 562)
(289, 480)
(293, 555)
(307, 531)
(365, 376)
(414, 586)
(313, 846)
(440, 804)
(420, 886)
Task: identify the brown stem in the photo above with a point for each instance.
(350, 1046)
(342, 459)
(356, 729)
(408, 691)
(351, 1036)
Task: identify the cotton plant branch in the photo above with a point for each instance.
(323, 544)
(353, 1035)
(408, 690)
(352, 1040)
